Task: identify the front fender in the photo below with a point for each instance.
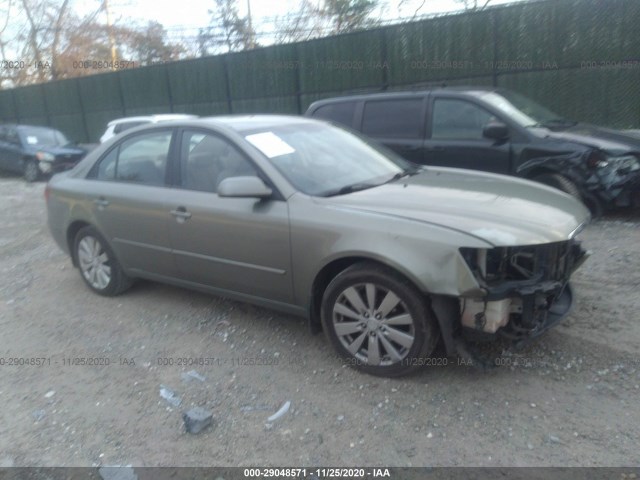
(428, 255)
(571, 165)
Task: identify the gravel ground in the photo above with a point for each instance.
(570, 399)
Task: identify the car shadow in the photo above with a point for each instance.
(627, 214)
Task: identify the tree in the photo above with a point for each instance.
(416, 10)
(87, 41)
(348, 15)
(474, 5)
(227, 30)
(56, 43)
(304, 24)
(42, 35)
(149, 45)
(330, 17)
(6, 74)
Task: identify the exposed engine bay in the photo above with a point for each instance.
(525, 290)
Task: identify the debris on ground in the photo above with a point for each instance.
(117, 473)
(284, 409)
(197, 419)
(252, 408)
(192, 375)
(38, 415)
(170, 396)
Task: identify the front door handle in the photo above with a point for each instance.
(434, 148)
(181, 214)
(101, 202)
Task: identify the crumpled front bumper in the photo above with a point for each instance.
(522, 309)
(629, 195)
(535, 320)
(617, 186)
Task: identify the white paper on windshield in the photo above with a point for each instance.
(31, 140)
(270, 144)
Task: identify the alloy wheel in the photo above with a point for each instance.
(94, 262)
(373, 324)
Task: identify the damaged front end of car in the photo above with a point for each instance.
(523, 291)
(616, 179)
(604, 179)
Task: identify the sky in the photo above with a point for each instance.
(195, 13)
(183, 20)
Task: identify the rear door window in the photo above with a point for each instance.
(393, 118)
(140, 159)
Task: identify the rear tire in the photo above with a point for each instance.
(98, 265)
(377, 321)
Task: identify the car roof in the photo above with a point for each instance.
(239, 124)
(152, 118)
(242, 123)
(20, 127)
(469, 90)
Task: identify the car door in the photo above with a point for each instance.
(3, 147)
(236, 244)
(455, 137)
(397, 123)
(10, 150)
(128, 201)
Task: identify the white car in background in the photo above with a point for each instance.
(118, 125)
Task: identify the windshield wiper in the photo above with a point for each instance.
(356, 187)
(554, 123)
(409, 172)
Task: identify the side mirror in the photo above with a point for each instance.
(243, 187)
(495, 131)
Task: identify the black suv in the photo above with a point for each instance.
(498, 131)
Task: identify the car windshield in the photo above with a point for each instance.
(324, 160)
(43, 137)
(524, 111)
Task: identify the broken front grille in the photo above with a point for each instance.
(548, 262)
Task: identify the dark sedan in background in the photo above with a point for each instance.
(497, 131)
(35, 151)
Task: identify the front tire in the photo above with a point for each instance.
(98, 265)
(31, 171)
(377, 321)
(565, 185)
(560, 182)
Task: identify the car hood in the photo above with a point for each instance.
(613, 142)
(57, 151)
(500, 210)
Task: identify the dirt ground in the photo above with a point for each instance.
(570, 399)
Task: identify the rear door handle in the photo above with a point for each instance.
(434, 148)
(101, 202)
(181, 214)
